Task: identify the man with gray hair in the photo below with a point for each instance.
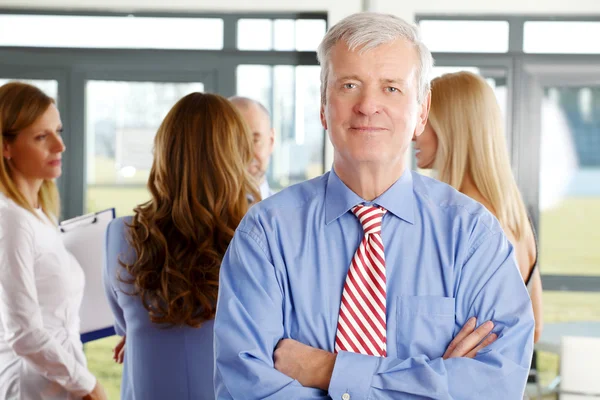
(263, 137)
(371, 281)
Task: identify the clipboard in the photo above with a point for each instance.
(84, 237)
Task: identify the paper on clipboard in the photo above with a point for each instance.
(84, 237)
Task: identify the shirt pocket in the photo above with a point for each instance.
(425, 325)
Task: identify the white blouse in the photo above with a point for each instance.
(41, 288)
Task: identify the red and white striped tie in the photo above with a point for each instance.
(361, 324)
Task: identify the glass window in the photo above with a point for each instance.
(291, 94)
(309, 33)
(568, 37)
(121, 121)
(285, 37)
(465, 36)
(280, 34)
(570, 181)
(111, 32)
(255, 34)
(50, 87)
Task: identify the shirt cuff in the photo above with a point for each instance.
(84, 383)
(352, 375)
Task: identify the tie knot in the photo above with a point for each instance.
(370, 217)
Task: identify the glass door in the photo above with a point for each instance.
(559, 159)
(121, 120)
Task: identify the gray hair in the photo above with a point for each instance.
(367, 30)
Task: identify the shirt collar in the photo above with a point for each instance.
(399, 199)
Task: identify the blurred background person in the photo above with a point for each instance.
(41, 283)
(162, 265)
(263, 136)
(464, 142)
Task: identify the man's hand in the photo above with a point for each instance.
(310, 366)
(470, 340)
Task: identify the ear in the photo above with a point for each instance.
(322, 115)
(6, 153)
(272, 139)
(423, 115)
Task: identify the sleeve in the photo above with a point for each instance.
(490, 288)
(21, 315)
(248, 326)
(108, 276)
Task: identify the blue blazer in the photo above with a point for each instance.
(160, 363)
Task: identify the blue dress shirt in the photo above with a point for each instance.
(161, 363)
(447, 260)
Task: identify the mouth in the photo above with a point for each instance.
(367, 129)
(55, 163)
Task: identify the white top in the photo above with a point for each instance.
(265, 190)
(41, 288)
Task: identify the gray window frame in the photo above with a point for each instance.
(527, 74)
(72, 67)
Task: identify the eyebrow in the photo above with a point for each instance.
(348, 77)
(398, 81)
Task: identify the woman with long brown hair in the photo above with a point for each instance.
(41, 284)
(162, 268)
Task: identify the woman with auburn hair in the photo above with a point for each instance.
(464, 143)
(41, 283)
(162, 264)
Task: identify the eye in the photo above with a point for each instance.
(392, 89)
(349, 85)
(41, 137)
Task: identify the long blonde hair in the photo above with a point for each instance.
(21, 105)
(467, 120)
(200, 187)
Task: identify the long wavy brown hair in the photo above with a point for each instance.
(200, 190)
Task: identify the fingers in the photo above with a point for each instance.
(466, 330)
(472, 340)
(121, 355)
(118, 351)
(486, 342)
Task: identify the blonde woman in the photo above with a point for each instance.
(41, 284)
(464, 143)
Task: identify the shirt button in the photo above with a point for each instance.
(346, 396)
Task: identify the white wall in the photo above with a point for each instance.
(336, 9)
(408, 10)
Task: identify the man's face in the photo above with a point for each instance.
(263, 139)
(371, 111)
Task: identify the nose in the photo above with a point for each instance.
(58, 146)
(368, 104)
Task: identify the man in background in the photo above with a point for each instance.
(258, 119)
